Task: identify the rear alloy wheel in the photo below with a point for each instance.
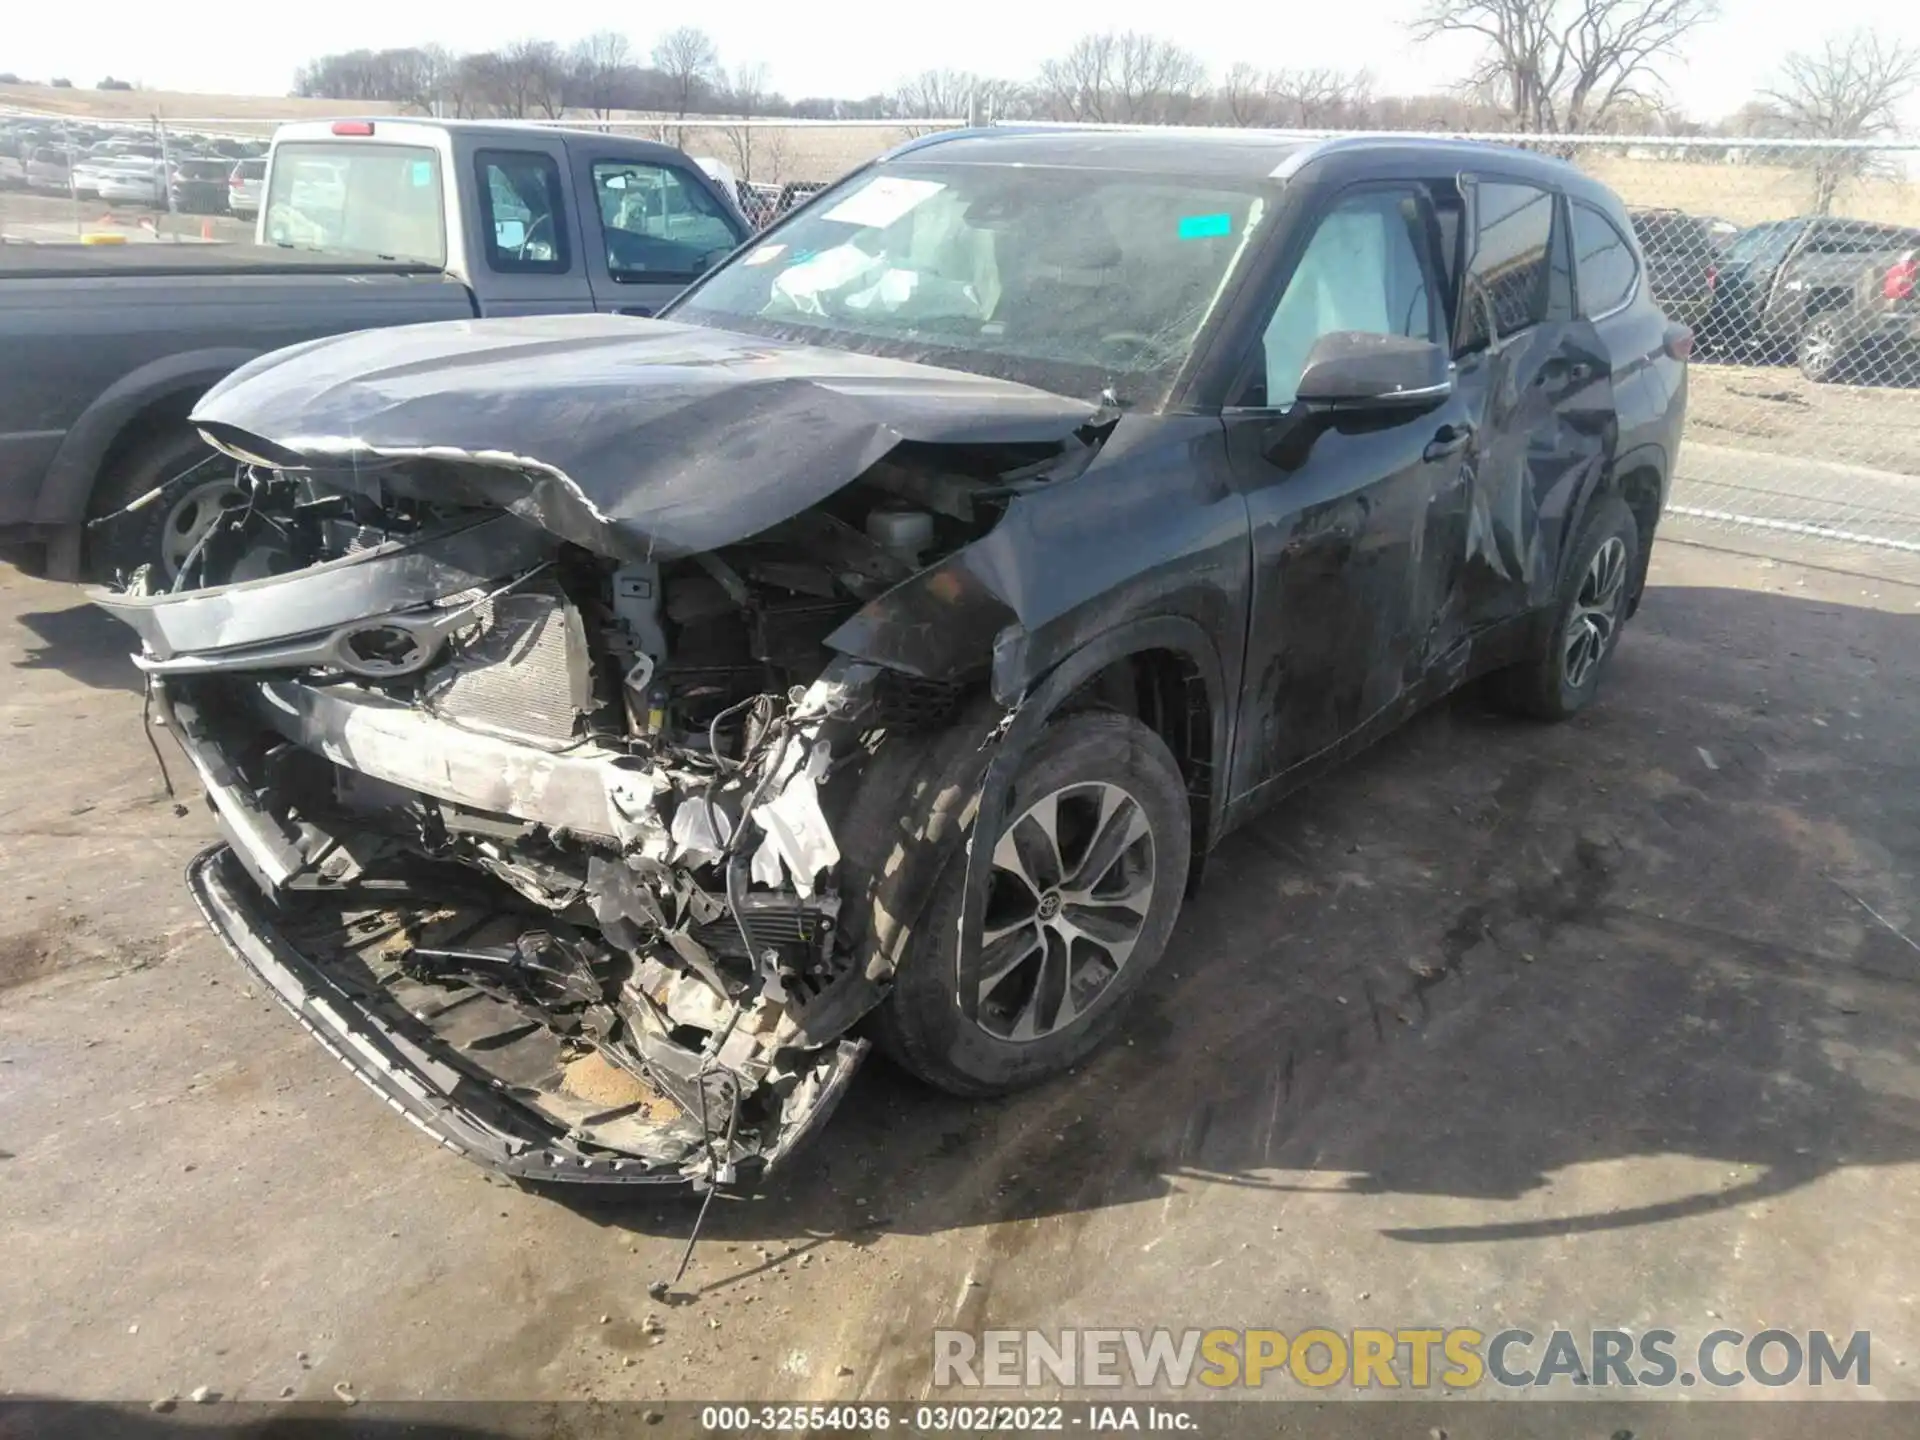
(1085, 881)
(1585, 626)
(1822, 351)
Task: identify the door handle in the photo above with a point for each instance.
(1449, 439)
(643, 312)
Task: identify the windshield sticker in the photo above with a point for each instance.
(883, 200)
(764, 255)
(422, 174)
(1205, 227)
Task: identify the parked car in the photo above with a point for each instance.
(1084, 493)
(48, 168)
(246, 182)
(1874, 338)
(13, 172)
(86, 174)
(199, 187)
(135, 181)
(1775, 280)
(1683, 257)
(364, 223)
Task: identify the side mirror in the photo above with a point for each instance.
(509, 234)
(1350, 370)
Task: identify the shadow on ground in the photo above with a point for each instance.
(83, 642)
(1482, 954)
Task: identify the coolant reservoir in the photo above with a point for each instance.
(905, 534)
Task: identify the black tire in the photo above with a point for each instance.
(1550, 685)
(1822, 351)
(921, 1024)
(158, 534)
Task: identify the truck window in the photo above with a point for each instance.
(364, 198)
(523, 212)
(659, 224)
(1508, 275)
(1603, 261)
(1362, 270)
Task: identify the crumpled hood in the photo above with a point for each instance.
(632, 437)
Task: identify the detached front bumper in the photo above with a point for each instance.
(413, 1074)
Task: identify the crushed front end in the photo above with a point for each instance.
(537, 840)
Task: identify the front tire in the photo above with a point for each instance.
(1087, 877)
(1822, 351)
(1562, 677)
(195, 484)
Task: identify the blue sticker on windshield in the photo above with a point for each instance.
(1205, 227)
(422, 174)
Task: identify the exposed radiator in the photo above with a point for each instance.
(521, 670)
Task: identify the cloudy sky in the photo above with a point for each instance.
(857, 47)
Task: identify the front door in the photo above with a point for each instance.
(1357, 522)
(655, 228)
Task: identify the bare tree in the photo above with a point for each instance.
(600, 63)
(538, 76)
(936, 94)
(1293, 99)
(691, 63)
(1561, 66)
(1123, 77)
(1849, 89)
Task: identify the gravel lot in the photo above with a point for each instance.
(1582, 1026)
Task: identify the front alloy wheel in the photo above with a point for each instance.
(1071, 884)
(1083, 886)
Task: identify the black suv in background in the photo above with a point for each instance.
(586, 691)
(1778, 282)
(1683, 255)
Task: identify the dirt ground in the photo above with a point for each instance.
(1776, 410)
(1582, 1026)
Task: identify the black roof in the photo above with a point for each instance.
(1228, 154)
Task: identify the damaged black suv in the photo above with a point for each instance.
(617, 725)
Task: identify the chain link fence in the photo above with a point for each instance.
(1796, 264)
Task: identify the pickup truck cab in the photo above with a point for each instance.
(363, 223)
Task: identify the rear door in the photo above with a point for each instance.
(654, 226)
(1539, 383)
(1352, 572)
(526, 253)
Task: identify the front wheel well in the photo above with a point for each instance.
(1167, 692)
(158, 416)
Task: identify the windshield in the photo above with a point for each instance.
(1072, 280)
(365, 199)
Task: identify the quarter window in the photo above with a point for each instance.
(1603, 261)
(524, 212)
(1507, 277)
(1362, 270)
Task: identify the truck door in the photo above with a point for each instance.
(655, 225)
(526, 250)
(1539, 383)
(1355, 522)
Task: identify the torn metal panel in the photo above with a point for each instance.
(643, 439)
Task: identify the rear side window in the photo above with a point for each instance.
(523, 212)
(1507, 277)
(1603, 262)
